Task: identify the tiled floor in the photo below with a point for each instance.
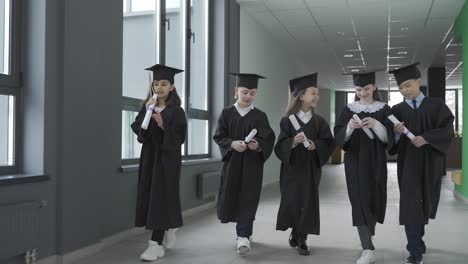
(204, 240)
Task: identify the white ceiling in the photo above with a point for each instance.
(337, 36)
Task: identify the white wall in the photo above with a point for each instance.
(260, 53)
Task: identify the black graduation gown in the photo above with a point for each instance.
(301, 173)
(420, 170)
(365, 167)
(242, 173)
(158, 201)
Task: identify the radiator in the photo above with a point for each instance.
(19, 229)
(208, 184)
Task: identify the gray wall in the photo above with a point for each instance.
(261, 53)
(72, 123)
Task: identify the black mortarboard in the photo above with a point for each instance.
(298, 84)
(362, 79)
(409, 72)
(162, 72)
(247, 80)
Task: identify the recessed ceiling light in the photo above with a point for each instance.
(354, 70)
(402, 53)
(341, 33)
(348, 55)
(404, 29)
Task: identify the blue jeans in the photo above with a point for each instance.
(244, 230)
(416, 245)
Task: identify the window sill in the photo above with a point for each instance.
(134, 167)
(22, 178)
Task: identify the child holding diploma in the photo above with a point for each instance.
(421, 159)
(158, 202)
(304, 145)
(242, 173)
(363, 134)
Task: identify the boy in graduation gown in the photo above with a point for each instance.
(365, 159)
(158, 201)
(421, 160)
(242, 172)
(301, 165)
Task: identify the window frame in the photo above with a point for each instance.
(10, 85)
(132, 104)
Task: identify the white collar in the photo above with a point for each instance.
(304, 116)
(243, 111)
(356, 107)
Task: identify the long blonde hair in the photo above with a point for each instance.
(295, 103)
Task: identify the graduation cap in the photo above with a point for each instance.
(362, 79)
(409, 72)
(163, 72)
(298, 84)
(247, 80)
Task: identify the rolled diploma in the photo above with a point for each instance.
(250, 136)
(368, 132)
(149, 112)
(396, 122)
(296, 126)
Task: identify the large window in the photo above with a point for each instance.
(9, 83)
(174, 33)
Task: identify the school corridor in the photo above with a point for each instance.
(204, 240)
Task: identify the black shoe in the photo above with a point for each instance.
(414, 260)
(293, 240)
(302, 247)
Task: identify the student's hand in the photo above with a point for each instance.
(158, 118)
(353, 124)
(418, 141)
(253, 145)
(299, 139)
(368, 122)
(399, 128)
(312, 145)
(150, 102)
(239, 146)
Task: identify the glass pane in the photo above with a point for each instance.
(197, 136)
(460, 110)
(143, 5)
(7, 106)
(131, 148)
(5, 22)
(139, 49)
(450, 102)
(350, 97)
(172, 4)
(395, 98)
(174, 48)
(198, 62)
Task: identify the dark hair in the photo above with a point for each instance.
(173, 97)
(295, 103)
(375, 95)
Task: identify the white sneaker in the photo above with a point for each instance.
(367, 257)
(153, 252)
(170, 238)
(243, 246)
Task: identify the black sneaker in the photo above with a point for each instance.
(302, 247)
(414, 260)
(293, 240)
